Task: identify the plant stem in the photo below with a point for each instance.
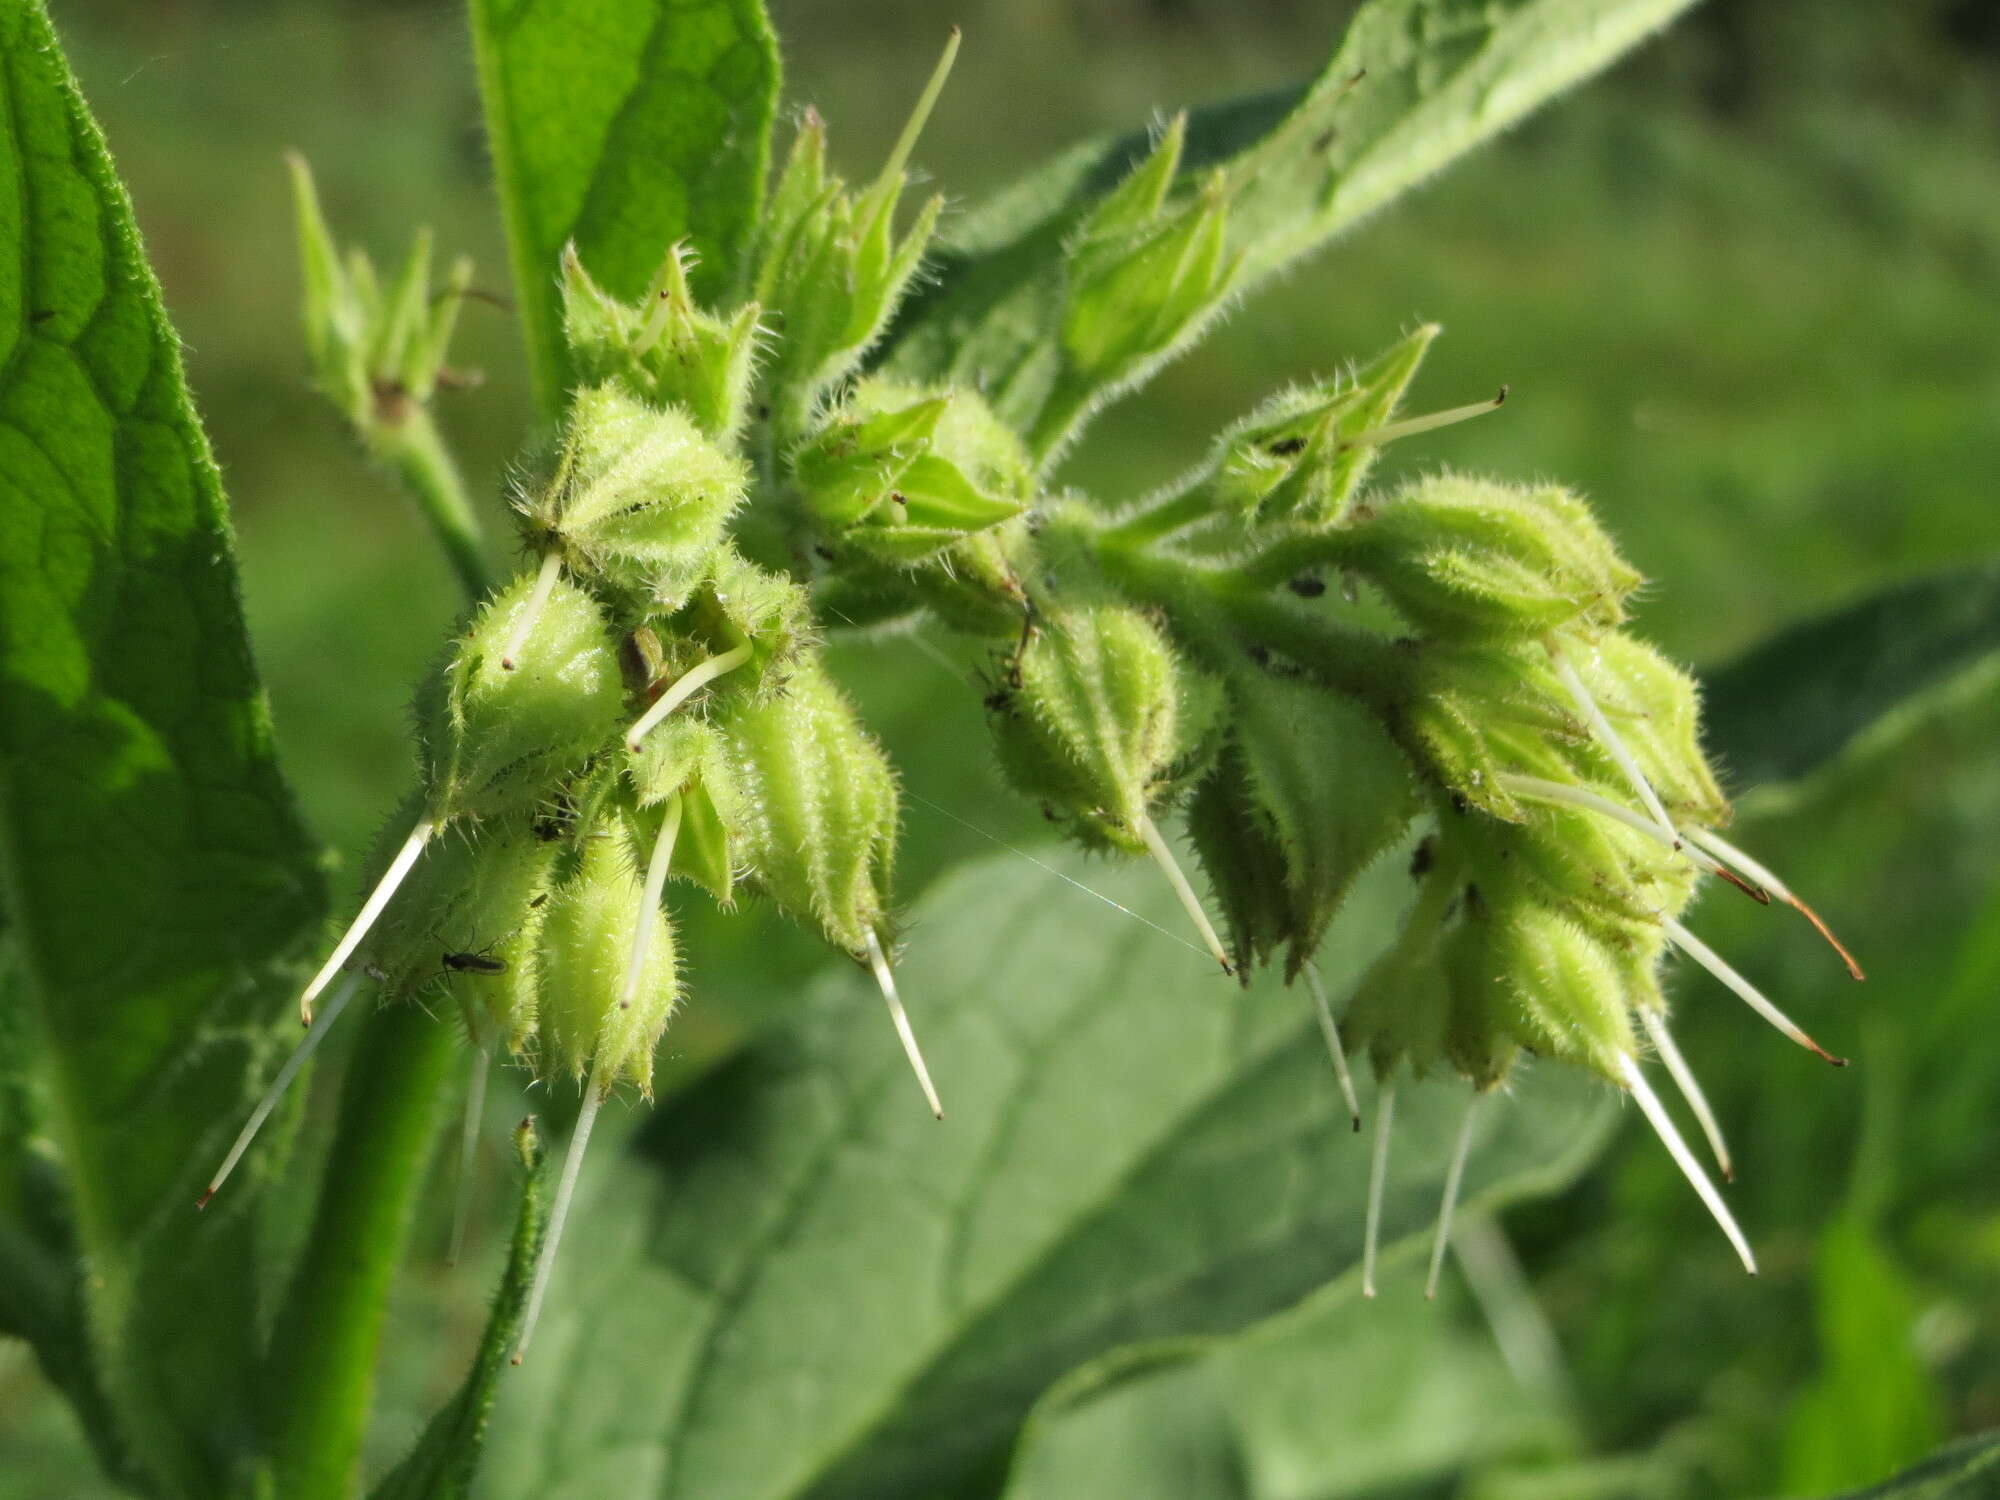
(329, 1330)
(415, 451)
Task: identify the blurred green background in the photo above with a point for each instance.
(1746, 291)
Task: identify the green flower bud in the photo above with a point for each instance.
(1294, 457)
(468, 921)
(831, 267)
(587, 943)
(1610, 877)
(904, 474)
(1476, 715)
(376, 354)
(665, 350)
(1106, 723)
(1315, 791)
(687, 758)
(496, 741)
(819, 806)
(1137, 289)
(1655, 708)
(640, 499)
(1549, 983)
(1469, 560)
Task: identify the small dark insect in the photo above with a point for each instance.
(532, 905)
(1420, 861)
(999, 701)
(1308, 585)
(1286, 447)
(896, 497)
(474, 963)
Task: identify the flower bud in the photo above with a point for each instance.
(1137, 289)
(665, 350)
(1655, 709)
(831, 267)
(1106, 722)
(819, 806)
(468, 922)
(496, 741)
(1309, 792)
(639, 497)
(1478, 714)
(1293, 458)
(904, 474)
(687, 758)
(1545, 982)
(587, 942)
(1467, 559)
(376, 354)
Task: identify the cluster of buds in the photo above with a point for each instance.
(1315, 673)
(645, 701)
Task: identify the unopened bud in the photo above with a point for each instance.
(640, 497)
(496, 741)
(665, 350)
(819, 806)
(592, 1018)
(1467, 559)
(1107, 722)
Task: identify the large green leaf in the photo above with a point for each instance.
(1964, 1471)
(1798, 698)
(1339, 1397)
(624, 125)
(154, 864)
(1414, 84)
(803, 1286)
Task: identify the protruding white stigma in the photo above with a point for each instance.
(1539, 789)
(1721, 848)
(1390, 432)
(283, 1081)
(378, 899)
(1378, 1177)
(1663, 1127)
(649, 900)
(901, 1017)
(468, 1149)
(1614, 746)
(685, 688)
(1690, 1087)
(1710, 960)
(593, 1096)
(524, 625)
(1170, 867)
(1453, 1176)
(1338, 1053)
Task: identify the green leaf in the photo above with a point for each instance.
(1338, 1397)
(1872, 1406)
(625, 126)
(1797, 699)
(803, 1286)
(154, 864)
(1414, 84)
(446, 1458)
(1964, 1471)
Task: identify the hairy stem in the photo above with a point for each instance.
(329, 1330)
(414, 449)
